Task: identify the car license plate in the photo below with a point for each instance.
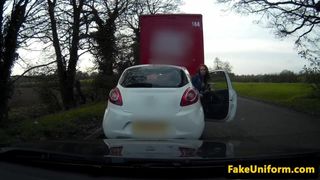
(149, 127)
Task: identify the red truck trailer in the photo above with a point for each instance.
(175, 39)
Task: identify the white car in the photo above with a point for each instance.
(154, 102)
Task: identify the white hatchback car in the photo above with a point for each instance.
(154, 102)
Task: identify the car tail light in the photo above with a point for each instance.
(190, 96)
(116, 151)
(187, 152)
(115, 97)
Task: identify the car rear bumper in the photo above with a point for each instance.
(188, 123)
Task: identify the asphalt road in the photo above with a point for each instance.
(258, 121)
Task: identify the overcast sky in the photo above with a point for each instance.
(250, 48)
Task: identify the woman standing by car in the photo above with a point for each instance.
(200, 80)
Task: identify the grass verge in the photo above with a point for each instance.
(73, 124)
(297, 96)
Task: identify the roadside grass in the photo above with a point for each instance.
(87, 82)
(218, 85)
(5, 137)
(76, 123)
(298, 96)
(17, 114)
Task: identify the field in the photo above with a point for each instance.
(298, 96)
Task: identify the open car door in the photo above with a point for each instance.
(220, 104)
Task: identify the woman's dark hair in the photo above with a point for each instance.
(206, 76)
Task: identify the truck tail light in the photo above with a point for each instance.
(190, 96)
(115, 97)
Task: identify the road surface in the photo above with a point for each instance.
(258, 121)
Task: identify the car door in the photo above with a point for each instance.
(220, 104)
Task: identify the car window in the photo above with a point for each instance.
(218, 81)
(159, 77)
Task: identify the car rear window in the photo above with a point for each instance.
(159, 77)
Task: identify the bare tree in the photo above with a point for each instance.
(115, 40)
(224, 65)
(299, 18)
(65, 25)
(105, 16)
(12, 16)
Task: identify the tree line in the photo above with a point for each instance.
(285, 76)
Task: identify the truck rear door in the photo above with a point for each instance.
(175, 39)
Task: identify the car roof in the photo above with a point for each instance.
(157, 65)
